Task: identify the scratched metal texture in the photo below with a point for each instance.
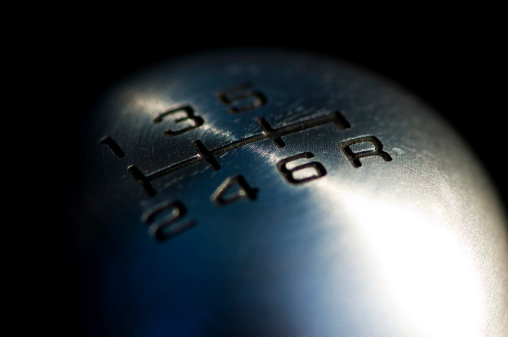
(414, 246)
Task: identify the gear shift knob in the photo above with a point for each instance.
(277, 193)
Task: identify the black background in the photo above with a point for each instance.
(454, 61)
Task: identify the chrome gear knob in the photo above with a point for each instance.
(277, 193)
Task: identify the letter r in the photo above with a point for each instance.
(354, 157)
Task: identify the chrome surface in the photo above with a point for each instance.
(277, 193)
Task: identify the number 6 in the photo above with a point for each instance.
(289, 173)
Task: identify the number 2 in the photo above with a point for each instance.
(167, 226)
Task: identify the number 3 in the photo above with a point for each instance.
(196, 120)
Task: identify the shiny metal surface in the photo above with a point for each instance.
(276, 193)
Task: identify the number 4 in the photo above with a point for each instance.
(233, 189)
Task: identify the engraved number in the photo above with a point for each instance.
(354, 157)
(242, 98)
(233, 189)
(289, 174)
(181, 114)
(113, 146)
(163, 220)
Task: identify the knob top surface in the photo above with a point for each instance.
(281, 193)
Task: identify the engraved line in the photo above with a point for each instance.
(270, 133)
(174, 167)
(335, 118)
(204, 154)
